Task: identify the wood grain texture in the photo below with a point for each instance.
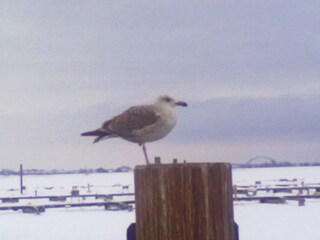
(191, 201)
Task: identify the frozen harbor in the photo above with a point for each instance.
(255, 220)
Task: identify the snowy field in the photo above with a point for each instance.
(256, 221)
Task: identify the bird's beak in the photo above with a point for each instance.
(180, 103)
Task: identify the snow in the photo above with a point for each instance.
(63, 184)
(256, 221)
(250, 175)
(66, 224)
(277, 221)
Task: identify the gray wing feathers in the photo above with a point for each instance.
(135, 118)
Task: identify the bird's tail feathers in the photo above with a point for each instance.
(99, 138)
(99, 134)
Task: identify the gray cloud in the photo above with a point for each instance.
(289, 118)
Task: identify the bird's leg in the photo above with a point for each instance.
(145, 153)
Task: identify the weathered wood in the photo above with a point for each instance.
(157, 160)
(190, 201)
(123, 205)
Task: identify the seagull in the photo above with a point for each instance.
(141, 124)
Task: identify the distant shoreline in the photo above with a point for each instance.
(8, 172)
(124, 169)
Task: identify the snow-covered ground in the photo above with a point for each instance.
(256, 221)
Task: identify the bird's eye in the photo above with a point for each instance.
(167, 99)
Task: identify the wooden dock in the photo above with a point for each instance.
(61, 197)
(67, 201)
(124, 205)
(281, 194)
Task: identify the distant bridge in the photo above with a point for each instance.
(261, 159)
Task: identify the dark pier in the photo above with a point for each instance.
(99, 200)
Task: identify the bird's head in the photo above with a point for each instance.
(167, 100)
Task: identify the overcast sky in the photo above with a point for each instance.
(250, 71)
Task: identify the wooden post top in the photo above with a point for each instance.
(184, 165)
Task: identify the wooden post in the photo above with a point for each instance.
(157, 160)
(190, 201)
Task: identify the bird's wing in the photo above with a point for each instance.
(134, 118)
